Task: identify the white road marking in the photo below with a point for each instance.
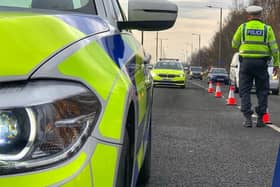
(201, 86)
(274, 127)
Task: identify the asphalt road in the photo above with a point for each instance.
(198, 140)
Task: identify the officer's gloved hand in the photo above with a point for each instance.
(275, 70)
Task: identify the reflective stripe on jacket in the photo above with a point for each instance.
(256, 39)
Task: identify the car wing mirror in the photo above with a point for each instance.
(149, 15)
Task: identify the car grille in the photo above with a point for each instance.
(169, 82)
(220, 77)
(167, 75)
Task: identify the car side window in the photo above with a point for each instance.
(79, 3)
(69, 5)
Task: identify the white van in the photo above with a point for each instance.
(234, 77)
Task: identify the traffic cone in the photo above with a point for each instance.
(210, 89)
(266, 118)
(231, 99)
(218, 93)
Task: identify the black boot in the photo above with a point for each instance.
(248, 122)
(260, 122)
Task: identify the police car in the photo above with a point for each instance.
(75, 106)
(168, 72)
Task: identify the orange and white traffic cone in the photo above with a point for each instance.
(231, 99)
(266, 118)
(218, 93)
(210, 89)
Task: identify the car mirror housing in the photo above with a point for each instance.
(147, 15)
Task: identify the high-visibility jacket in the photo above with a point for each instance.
(255, 39)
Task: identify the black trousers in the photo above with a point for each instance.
(253, 69)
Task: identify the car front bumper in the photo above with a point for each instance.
(177, 81)
(219, 79)
(196, 76)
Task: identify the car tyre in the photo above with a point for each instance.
(128, 170)
(145, 171)
(236, 89)
(275, 92)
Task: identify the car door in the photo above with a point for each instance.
(130, 57)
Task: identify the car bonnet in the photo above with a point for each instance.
(168, 71)
(28, 39)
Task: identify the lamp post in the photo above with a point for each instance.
(161, 47)
(191, 45)
(199, 40)
(156, 46)
(221, 31)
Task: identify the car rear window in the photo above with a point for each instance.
(218, 71)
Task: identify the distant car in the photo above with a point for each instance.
(234, 75)
(195, 72)
(169, 73)
(218, 75)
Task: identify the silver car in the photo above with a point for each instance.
(234, 78)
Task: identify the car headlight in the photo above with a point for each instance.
(181, 75)
(48, 129)
(153, 74)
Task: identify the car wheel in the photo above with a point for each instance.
(236, 89)
(275, 92)
(183, 86)
(128, 170)
(126, 163)
(145, 171)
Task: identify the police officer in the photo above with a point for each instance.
(257, 45)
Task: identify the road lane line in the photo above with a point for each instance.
(201, 86)
(274, 127)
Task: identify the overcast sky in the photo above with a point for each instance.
(194, 17)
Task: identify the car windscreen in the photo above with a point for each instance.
(221, 71)
(199, 69)
(84, 6)
(169, 65)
